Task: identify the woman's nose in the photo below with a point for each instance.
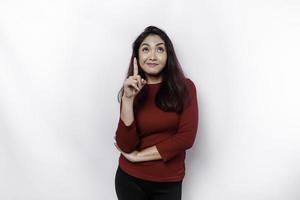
(152, 55)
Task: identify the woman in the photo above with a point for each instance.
(158, 121)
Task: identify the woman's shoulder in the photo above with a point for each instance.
(191, 91)
(190, 84)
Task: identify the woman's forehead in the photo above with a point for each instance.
(152, 40)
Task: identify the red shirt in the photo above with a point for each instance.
(172, 134)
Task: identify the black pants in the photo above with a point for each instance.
(132, 188)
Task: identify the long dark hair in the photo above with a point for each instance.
(173, 91)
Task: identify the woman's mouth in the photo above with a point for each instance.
(151, 64)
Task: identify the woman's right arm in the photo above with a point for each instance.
(127, 137)
(126, 134)
(126, 114)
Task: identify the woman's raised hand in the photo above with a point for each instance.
(133, 84)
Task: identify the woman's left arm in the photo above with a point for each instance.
(147, 154)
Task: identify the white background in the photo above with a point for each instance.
(63, 62)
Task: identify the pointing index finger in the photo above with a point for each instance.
(135, 67)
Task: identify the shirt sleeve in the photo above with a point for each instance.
(184, 138)
(127, 137)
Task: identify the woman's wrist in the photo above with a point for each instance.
(127, 99)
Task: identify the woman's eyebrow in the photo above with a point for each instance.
(155, 45)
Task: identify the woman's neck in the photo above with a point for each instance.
(154, 80)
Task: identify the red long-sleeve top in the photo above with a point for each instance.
(171, 133)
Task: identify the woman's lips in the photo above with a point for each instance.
(151, 64)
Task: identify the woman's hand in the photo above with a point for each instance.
(133, 84)
(132, 157)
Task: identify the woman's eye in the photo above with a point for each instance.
(145, 49)
(160, 49)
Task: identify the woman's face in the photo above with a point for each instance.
(152, 56)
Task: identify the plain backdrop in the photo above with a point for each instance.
(63, 62)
